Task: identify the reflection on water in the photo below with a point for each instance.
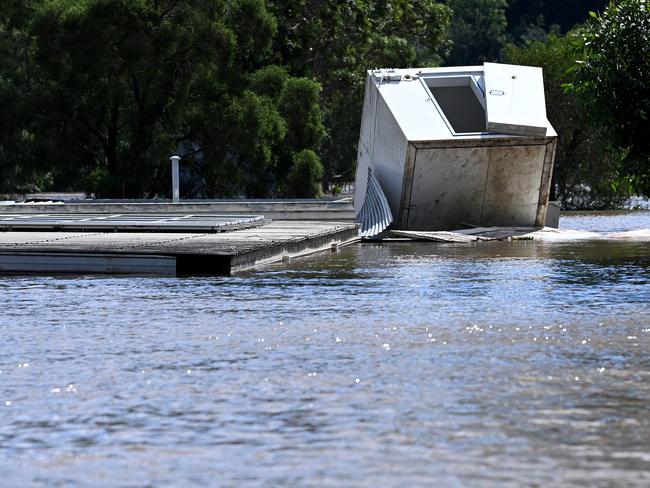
(509, 363)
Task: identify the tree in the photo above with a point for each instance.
(477, 31)
(612, 82)
(526, 17)
(584, 168)
(116, 79)
(21, 168)
(304, 178)
(335, 43)
(259, 133)
(98, 93)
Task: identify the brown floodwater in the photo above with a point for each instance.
(403, 364)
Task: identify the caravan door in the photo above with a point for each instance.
(514, 98)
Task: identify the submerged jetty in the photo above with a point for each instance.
(86, 238)
(148, 238)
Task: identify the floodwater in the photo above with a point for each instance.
(403, 364)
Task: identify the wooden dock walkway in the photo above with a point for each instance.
(337, 210)
(168, 253)
(129, 222)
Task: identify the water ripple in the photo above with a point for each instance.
(507, 363)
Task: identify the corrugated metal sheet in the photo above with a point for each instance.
(375, 215)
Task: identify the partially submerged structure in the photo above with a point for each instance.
(445, 148)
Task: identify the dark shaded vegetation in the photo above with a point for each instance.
(263, 98)
(597, 99)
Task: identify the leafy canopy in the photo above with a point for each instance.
(612, 81)
(103, 91)
(584, 167)
(335, 43)
(477, 31)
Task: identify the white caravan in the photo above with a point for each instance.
(447, 148)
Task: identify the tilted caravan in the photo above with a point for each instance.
(447, 148)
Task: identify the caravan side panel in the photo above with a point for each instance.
(486, 183)
(513, 186)
(366, 138)
(389, 155)
(448, 187)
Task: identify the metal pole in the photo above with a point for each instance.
(175, 191)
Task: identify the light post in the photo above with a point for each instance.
(175, 190)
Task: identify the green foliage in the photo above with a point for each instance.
(253, 127)
(478, 31)
(300, 106)
(612, 81)
(584, 167)
(335, 43)
(19, 166)
(102, 92)
(118, 76)
(255, 94)
(532, 19)
(254, 28)
(304, 179)
(268, 80)
(260, 131)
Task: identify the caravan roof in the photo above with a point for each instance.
(469, 102)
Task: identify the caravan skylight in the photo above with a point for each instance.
(461, 101)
